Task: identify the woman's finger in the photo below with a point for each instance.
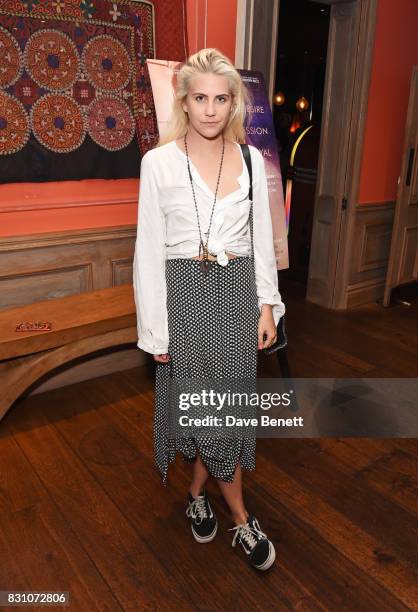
(271, 337)
(270, 340)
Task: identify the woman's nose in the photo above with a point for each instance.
(210, 108)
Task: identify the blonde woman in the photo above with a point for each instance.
(202, 311)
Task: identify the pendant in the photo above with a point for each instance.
(204, 266)
(204, 263)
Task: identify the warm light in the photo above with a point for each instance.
(297, 143)
(289, 182)
(302, 104)
(295, 124)
(279, 98)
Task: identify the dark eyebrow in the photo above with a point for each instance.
(197, 93)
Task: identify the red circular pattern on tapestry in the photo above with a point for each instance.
(58, 123)
(52, 60)
(14, 124)
(110, 123)
(11, 65)
(106, 63)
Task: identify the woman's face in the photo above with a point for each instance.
(208, 104)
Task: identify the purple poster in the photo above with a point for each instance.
(261, 134)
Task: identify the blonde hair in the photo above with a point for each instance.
(205, 61)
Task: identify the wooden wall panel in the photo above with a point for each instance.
(409, 257)
(370, 253)
(45, 266)
(35, 286)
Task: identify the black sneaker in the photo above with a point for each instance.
(260, 551)
(203, 521)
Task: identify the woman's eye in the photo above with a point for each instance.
(220, 98)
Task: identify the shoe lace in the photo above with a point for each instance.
(197, 509)
(250, 535)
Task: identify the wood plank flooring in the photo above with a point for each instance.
(83, 508)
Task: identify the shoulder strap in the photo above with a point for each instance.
(247, 157)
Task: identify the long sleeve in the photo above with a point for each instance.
(150, 291)
(264, 255)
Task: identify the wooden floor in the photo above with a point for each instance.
(83, 508)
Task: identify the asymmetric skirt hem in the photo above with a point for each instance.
(247, 462)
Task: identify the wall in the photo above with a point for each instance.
(395, 52)
(27, 208)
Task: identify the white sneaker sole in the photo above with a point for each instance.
(270, 559)
(204, 539)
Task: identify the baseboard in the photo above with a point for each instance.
(366, 292)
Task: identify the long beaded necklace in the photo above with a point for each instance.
(203, 248)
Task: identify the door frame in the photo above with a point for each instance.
(257, 26)
(406, 207)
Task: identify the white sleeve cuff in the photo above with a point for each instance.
(278, 308)
(153, 350)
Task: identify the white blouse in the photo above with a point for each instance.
(167, 229)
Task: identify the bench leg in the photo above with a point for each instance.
(19, 374)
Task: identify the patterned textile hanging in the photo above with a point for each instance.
(75, 94)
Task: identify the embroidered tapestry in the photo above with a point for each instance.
(75, 94)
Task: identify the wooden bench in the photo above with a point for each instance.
(81, 324)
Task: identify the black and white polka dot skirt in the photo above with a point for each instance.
(212, 328)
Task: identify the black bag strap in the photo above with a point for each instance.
(247, 158)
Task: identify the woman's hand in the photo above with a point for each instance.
(162, 358)
(267, 327)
